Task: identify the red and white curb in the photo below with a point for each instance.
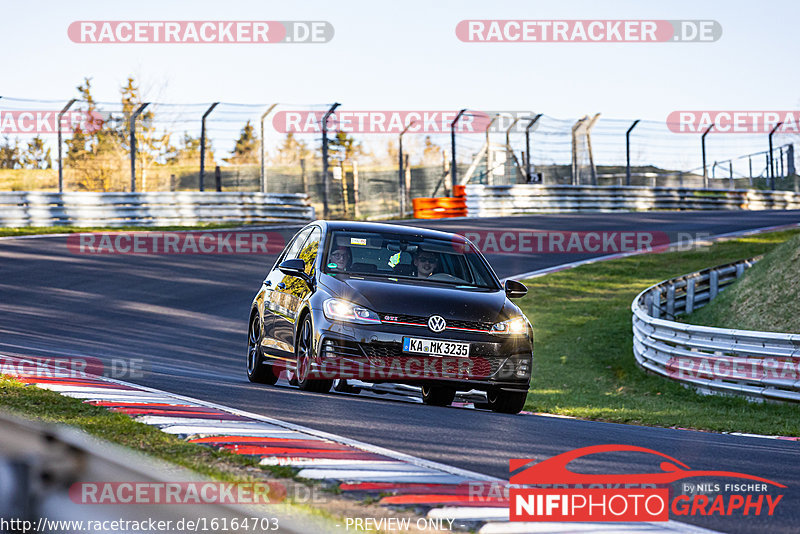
(360, 469)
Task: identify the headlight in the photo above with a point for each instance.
(517, 325)
(342, 310)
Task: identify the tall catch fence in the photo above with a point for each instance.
(359, 163)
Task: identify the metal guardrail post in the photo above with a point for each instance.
(510, 152)
(326, 183)
(203, 145)
(689, 306)
(628, 152)
(264, 149)
(703, 147)
(58, 125)
(713, 284)
(133, 144)
(454, 165)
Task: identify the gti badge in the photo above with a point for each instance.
(436, 323)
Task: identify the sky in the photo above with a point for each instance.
(405, 55)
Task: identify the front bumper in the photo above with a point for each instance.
(375, 354)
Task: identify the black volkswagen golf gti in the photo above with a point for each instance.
(389, 303)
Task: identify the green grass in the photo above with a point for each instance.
(583, 356)
(765, 298)
(50, 407)
(30, 230)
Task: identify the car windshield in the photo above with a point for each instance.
(395, 256)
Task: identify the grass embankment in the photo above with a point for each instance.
(583, 357)
(766, 298)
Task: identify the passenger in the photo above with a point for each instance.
(342, 257)
(425, 262)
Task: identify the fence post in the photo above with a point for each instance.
(58, 125)
(628, 152)
(790, 159)
(574, 172)
(655, 310)
(356, 194)
(218, 178)
(489, 172)
(703, 146)
(172, 182)
(589, 127)
(133, 144)
(529, 167)
(303, 175)
(453, 165)
(771, 168)
(730, 169)
(400, 173)
(203, 146)
(326, 185)
(264, 149)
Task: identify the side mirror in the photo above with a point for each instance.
(296, 268)
(515, 290)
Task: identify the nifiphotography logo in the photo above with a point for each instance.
(550, 491)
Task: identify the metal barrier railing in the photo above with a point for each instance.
(758, 365)
(33, 208)
(494, 201)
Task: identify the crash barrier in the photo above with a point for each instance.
(498, 200)
(33, 208)
(439, 208)
(758, 365)
(46, 470)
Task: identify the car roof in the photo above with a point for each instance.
(358, 226)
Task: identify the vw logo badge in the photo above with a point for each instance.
(436, 323)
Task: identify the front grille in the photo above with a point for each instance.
(391, 356)
(420, 320)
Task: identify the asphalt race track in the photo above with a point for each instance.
(186, 315)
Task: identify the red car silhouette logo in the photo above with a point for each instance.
(554, 470)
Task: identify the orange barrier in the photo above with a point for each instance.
(439, 208)
(460, 191)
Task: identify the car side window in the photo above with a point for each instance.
(308, 253)
(293, 251)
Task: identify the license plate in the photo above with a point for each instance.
(435, 346)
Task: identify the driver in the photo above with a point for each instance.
(342, 257)
(425, 262)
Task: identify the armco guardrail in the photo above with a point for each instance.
(759, 365)
(42, 468)
(498, 200)
(32, 208)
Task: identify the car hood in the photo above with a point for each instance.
(416, 297)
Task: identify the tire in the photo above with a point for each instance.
(304, 355)
(258, 371)
(506, 401)
(438, 395)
